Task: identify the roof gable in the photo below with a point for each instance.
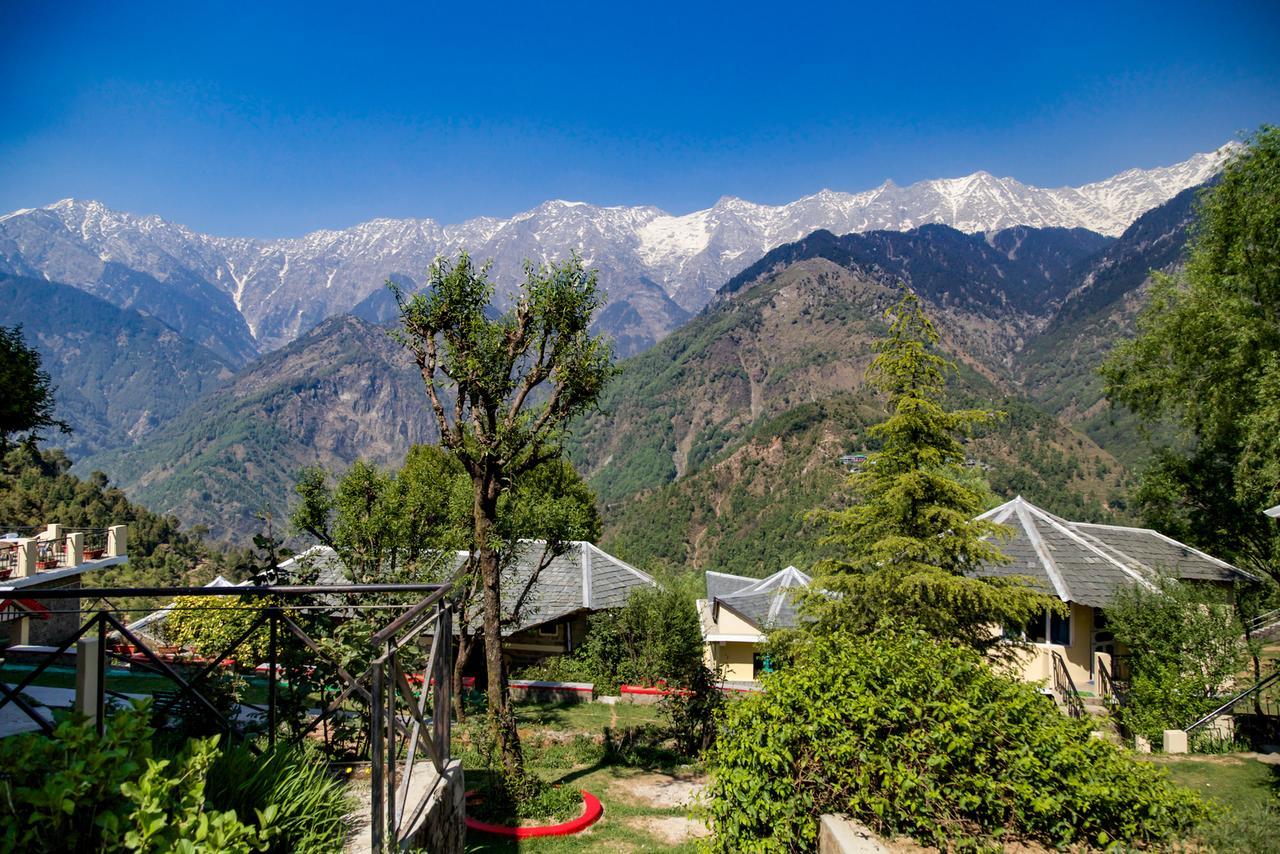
(581, 577)
(1087, 562)
(764, 602)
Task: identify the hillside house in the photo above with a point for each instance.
(51, 557)
(550, 617)
(1084, 565)
(736, 614)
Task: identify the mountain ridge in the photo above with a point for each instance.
(658, 268)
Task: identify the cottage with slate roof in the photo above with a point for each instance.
(552, 619)
(736, 614)
(1084, 564)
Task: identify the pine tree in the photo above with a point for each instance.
(26, 392)
(911, 534)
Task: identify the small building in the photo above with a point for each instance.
(1084, 565)
(736, 614)
(546, 615)
(52, 557)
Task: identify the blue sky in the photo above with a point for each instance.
(267, 119)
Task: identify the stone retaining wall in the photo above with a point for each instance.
(442, 828)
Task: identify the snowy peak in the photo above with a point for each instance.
(657, 267)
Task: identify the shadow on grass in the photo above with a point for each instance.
(647, 747)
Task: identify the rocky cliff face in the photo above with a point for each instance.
(343, 391)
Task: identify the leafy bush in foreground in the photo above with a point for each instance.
(76, 791)
(311, 805)
(917, 737)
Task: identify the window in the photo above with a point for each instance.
(1052, 628)
(549, 630)
(1060, 629)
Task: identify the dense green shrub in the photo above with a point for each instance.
(1186, 648)
(693, 712)
(77, 791)
(915, 736)
(654, 638)
(208, 625)
(311, 805)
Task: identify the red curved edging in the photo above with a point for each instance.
(659, 692)
(592, 809)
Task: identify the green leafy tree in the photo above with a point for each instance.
(911, 533)
(1207, 359)
(514, 381)
(388, 526)
(26, 392)
(1186, 649)
(410, 525)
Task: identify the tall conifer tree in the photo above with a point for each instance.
(911, 534)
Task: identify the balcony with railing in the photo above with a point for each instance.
(33, 555)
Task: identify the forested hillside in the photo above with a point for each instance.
(343, 391)
(119, 374)
(1058, 368)
(36, 488)
(710, 448)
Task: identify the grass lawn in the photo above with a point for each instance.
(644, 792)
(1247, 793)
(586, 717)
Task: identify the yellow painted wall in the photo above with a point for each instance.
(736, 659)
(1080, 651)
(730, 623)
(1036, 663)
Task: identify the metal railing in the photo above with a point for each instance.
(1064, 688)
(1253, 692)
(95, 542)
(53, 554)
(1107, 685)
(399, 718)
(1263, 622)
(409, 709)
(8, 559)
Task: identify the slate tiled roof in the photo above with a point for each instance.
(1086, 563)
(582, 578)
(763, 602)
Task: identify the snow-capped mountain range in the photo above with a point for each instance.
(243, 296)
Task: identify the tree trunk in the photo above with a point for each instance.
(502, 721)
(465, 645)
